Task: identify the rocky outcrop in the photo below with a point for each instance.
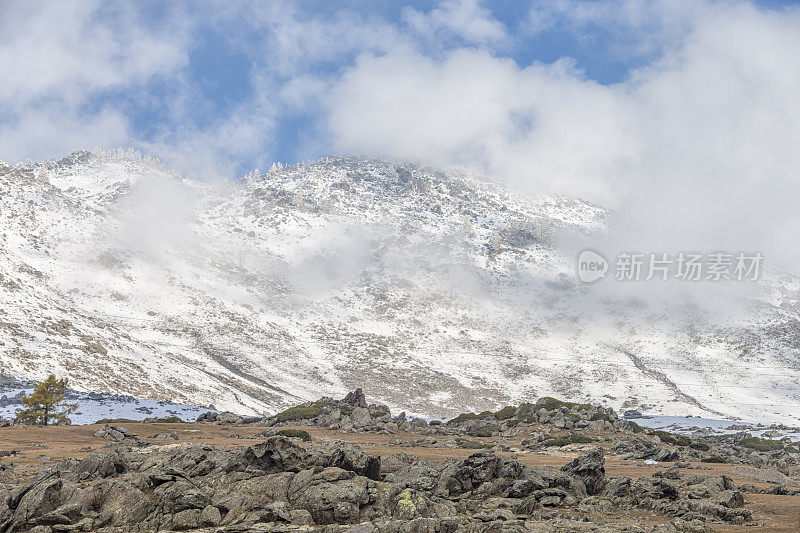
(546, 424)
(119, 434)
(277, 454)
(224, 419)
(589, 467)
(277, 483)
(356, 398)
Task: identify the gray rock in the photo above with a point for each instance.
(188, 519)
(356, 398)
(101, 464)
(589, 467)
(117, 434)
(277, 454)
(361, 417)
(332, 496)
(210, 516)
(301, 517)
(348, 456)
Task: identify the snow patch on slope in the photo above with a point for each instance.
(436, 292)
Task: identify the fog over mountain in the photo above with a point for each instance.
(435, 290)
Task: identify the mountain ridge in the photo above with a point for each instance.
(436, 291)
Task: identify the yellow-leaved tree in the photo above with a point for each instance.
(46, 405)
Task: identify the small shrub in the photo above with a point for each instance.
(633, 426)
(378, 414)
(165, 420)
(672, 438)
(116, 421)
(463, 417)
(761, 445)
(526, 407)
(505, 413)
(528, 419)
(551, 404)
(702, 446)
(472, 444)
(295, 433)
(600, 416)
(300, 413)
(484, 431)
(251, 419)
(713, 459)
(792, 449)
(345, 410)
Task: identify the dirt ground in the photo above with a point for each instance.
(36, 447)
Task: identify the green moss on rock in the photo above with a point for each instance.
(300, 412)
(295, 433)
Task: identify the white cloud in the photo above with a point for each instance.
(700, 141)
(57, 57)
(286, 42)
(694, 150)
(543, 126)
(464, 19)
(49, 130)
(66, 50)
(217, 151)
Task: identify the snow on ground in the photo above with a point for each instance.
(435, 292)
(97, 406)
(693, 424)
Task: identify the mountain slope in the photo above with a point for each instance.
(436, 292)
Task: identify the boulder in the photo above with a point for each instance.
(118, 504)
(347, 456)
(655, 453)
(114, 433)
(252, 494)
(466, 475)
(276, 454)
(101, 464)
(333, 495)
(356, 398)
(361, 417)
(188, 519)
(209, 517)
(33, 501)
(589, 467)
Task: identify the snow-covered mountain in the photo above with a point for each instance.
(434, 291)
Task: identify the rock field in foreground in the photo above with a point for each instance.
(285, 479)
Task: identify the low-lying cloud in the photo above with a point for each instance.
(692, 152)
(693, 149)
